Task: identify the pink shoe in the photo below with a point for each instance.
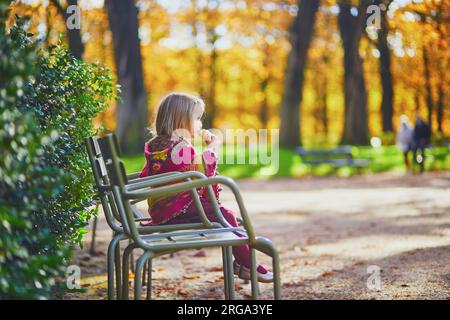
(245, 274)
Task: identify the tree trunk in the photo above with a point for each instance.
(131, 112)
(443, 62)
(325, 109)
(385, 72)
(264, 108)
(300, 35)
(48, 24)
(211, 97)
(356, 119)
(417, 100)
(75, 43)
(211, 106)
(199, 59)
(440, 105)
(429, 97)
(76, 46)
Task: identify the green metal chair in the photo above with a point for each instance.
(112, 216)
(159, 243)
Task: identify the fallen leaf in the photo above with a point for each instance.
(292, 284)
(214, 269)
(328, 273)
(183, 293)
(166, 289)
(191, 276)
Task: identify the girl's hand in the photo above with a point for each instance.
(209, 138)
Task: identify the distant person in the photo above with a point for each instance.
(421, 138)
(405, 138)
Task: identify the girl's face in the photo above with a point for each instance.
(197, 121)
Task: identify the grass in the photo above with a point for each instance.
(385, 158)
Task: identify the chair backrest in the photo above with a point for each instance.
(109, 149)
(102, 183)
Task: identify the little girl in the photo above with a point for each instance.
(178, 121)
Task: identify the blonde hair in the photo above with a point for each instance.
(175, 111)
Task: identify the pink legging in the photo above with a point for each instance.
(241, 253)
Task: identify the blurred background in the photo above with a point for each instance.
(310, 68)
(330, 75)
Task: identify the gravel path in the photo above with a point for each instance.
(366, 237)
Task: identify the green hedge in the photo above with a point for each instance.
(47, 102)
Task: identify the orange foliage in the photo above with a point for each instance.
(251, 41)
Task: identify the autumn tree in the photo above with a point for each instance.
(352, 21)
(434, 17)
(300, 34)
(381, 44)
(323, 55)
(131, 112)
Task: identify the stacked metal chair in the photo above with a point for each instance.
(112, 215)
(119, 194)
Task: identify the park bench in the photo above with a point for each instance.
(336, 157)
(118, 195)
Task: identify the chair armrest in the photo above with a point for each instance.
(133, 175)
(137, 179)
(184, 186)
(174, 178)
(158, 180)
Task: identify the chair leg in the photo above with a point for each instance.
(126, 270)
(110, 262)
(254, 277)
(225, 272)
(276, 274)
(132, 261)
(267, 247)
(94, 232)
(144, 275)
(149, 278)
(230, 273)
(138, 275)
(118, 270)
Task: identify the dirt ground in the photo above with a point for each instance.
(332, 233)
